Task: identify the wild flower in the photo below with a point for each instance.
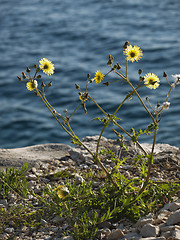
(98, 76)
(151, 81)
(47, 66)
(32, 85)
(133, 53)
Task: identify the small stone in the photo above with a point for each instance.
(78, 179)
(176, 234)
(4, 202)
(174, 206)
(9, 230)
(174, 218)
(114, 235)
(149, 230)
(67, 238)
(32, 177)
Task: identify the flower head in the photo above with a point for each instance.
(133, 53)
(166, 105)
(98, 76)
(176, 79)
(47, 66)
(151, 81)
(62, 191)
(32, 85)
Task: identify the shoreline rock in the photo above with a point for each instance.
(44, 160)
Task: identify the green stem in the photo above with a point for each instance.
(150, 158)
(47, 105)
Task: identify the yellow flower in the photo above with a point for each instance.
(98, 76)
(133, 53)
(61, 191)
(151, 81)
(47, 66)
(32, 85)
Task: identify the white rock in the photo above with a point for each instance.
(149, 230)
(174, 218)
(176, 234)
(9, 230)
(67, 238)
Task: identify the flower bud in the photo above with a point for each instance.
(118, 66)
(139, 71)
(38, 77)
(35, 66)
(43, 85)
(50, 84)
(126, 44)
(77, 86)
(24, 75)
(106, 83)
(19, 78)
(165, 74)
(38, 69)
(111, 58)
(28, 70)
(88, 75)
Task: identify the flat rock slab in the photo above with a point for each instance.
(45, 153)
(32, 155)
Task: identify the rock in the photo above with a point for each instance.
(115, 235)
(32, 155)
(174, 206)
(149, 230)
(176, 234)
(9, 230)
(174, 218)
(67, 238)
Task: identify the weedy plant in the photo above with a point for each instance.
(122, 195)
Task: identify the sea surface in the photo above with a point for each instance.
(77, 36)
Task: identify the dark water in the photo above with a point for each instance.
(78, 36)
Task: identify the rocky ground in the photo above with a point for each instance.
(48, 158)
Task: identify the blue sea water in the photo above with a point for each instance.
(77, 36)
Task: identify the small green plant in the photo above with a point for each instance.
(14, 180)
(121, 196)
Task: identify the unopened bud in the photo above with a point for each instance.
(24, 75)
(126, 44)
(165, 74)
(43, 85)
(139, 71)
(158, 105)
(88, 75)
(39, 76)
(35, 65)
(28, 70)
(19, 78)
(118, 66)
(111, 58)
(106, 83)
(38, 69)
(50, 84)
(77, 86)
(147, 98)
